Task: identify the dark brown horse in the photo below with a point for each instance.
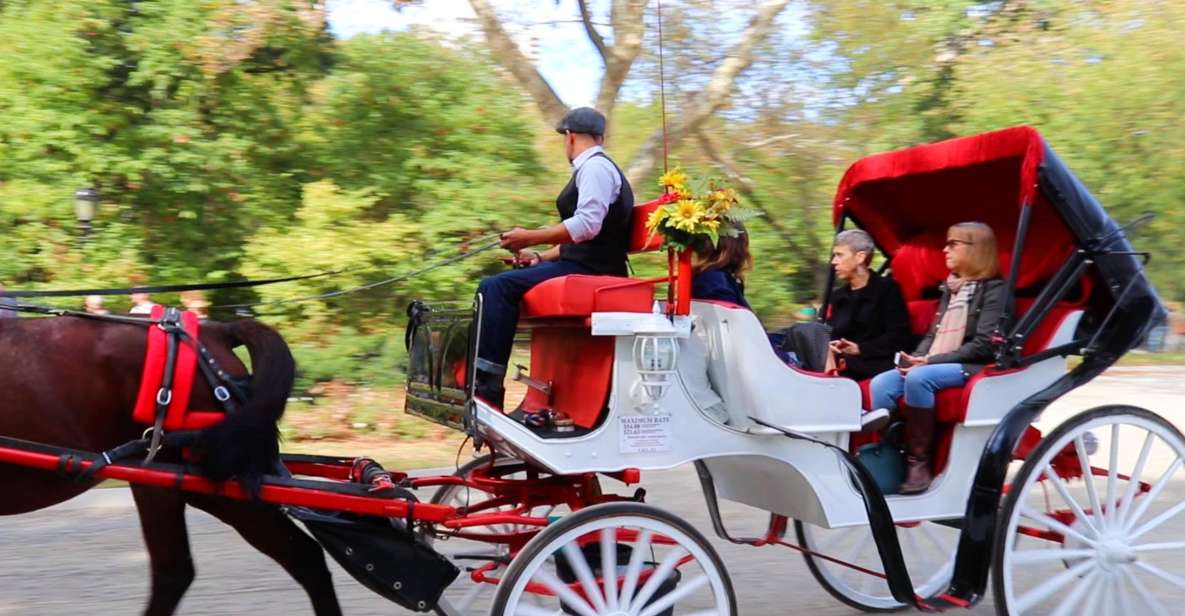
(72, 382)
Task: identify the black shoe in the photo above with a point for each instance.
(489, 388)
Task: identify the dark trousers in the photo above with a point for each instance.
(501, 295)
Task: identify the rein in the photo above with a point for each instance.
(463, 249)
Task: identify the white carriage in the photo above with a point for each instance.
(1084, 523)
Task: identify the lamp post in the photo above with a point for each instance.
(86, 200)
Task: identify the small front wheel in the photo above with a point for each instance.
(1094, 522)
(617, 559)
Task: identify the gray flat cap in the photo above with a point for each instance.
(584, 120)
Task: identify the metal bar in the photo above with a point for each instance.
(268, 493)
(1022, 232)
(773, 534)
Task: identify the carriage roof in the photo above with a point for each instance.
(906, 199)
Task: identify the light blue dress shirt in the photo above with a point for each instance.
(598, 185)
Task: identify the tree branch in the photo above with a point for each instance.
(629, 29)
(715, 95)
(593, 35)
(507, 53)
(808, 254)
(748, 189)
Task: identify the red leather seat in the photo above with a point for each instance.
(578, 295)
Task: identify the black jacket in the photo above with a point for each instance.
(985, 311)
(876, 319)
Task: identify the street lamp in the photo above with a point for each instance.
(86, 200)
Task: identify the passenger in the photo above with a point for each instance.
(868, 318)
(958, 344)
(718, 272)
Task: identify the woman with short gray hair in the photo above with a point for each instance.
(868, 318)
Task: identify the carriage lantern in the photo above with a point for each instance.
(655, 358)
(86, 200)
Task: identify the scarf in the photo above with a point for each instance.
(953, 326)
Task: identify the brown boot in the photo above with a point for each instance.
(919, 439)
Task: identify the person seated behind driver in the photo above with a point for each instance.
(718, 273)
(957, 345)
(867, 315)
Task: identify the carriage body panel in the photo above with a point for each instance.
(752, 464)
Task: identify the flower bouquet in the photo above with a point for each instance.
(703, 213)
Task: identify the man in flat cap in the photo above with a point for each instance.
(592, 237)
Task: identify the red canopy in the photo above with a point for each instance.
(908, 198)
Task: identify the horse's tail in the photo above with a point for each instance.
(246, 443)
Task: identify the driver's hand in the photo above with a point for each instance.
(517, 239)
(526, 258)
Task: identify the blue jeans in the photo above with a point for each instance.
(501, 295)
(918, 386)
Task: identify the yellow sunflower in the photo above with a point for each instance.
(686, 215)
(722, 200)
(675, 178)
(656, 217)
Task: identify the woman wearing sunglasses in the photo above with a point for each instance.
(957, 345)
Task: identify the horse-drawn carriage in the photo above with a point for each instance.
(1079, 519)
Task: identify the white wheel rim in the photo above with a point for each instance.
(929, 551)
(700, 591)
(464, 597)
(1128, 558)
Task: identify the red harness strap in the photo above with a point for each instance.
(183, 376)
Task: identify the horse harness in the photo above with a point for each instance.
(228, 391)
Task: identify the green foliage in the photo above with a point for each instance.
(238, 139)
(418, 156)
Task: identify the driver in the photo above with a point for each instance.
(592, 237)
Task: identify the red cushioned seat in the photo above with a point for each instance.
(580, 296)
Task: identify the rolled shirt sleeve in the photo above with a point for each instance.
(598, 185)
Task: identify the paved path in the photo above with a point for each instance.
(86, 556)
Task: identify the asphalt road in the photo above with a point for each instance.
(86, 556)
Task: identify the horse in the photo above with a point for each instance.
(71, 381)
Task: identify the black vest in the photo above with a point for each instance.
(605, 253)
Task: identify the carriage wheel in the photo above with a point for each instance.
(1107, 541)
(929, 550)
(466, 597)
(661, 566)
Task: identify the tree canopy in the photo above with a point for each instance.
(233, 139)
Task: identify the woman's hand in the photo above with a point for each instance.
(847, 347)
(911, 361)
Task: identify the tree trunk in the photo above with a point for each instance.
(507, 53)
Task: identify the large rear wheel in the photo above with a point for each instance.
(1094, 522)
(928, 547)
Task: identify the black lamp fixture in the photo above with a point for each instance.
(86, 201)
